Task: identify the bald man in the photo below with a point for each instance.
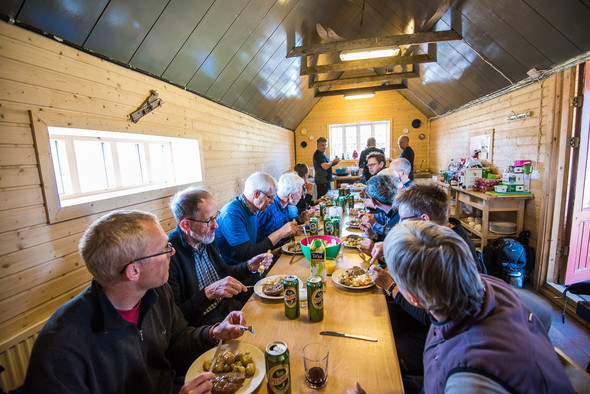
(407, 152)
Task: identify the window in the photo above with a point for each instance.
(90, 165)
(85, 171)
(347, 138)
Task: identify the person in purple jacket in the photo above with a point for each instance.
(483, 338)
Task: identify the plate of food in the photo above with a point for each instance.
(239, 368)
(271, 287)
(356, 211)
(351, 241)
(292, 247)
(354, 278)
(353, 223)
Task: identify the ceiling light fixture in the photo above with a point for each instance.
(369, 54)
(359, 96)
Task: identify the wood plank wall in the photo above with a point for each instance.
(40, 268)
(384, 106)
(513, 139)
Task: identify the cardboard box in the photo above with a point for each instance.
(513, 179)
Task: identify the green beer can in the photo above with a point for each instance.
(315, 298)
(351, 202)
(291, 296)
(328, 226)
(278, 376)
(335, 226)
(314, 226)
(322, 209)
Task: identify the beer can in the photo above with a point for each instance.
(341, 192)
(328, 226)
(342, 202)
(278, 376)
(351, 202)
(315, 298)
(335, 227)
(322, 209)
(313, 226)
(291, 296)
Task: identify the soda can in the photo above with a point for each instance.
(315, 298)
(278, 376)
(328, 226)
(314, 226)
(335, 227)
(322, 209)
(291, 296)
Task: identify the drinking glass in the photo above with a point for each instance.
(315, 362)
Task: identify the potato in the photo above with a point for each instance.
(250, 369)
(207, 365)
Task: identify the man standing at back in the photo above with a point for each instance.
(407, 152)
(371, 147)
(123, 334)
(323, 167)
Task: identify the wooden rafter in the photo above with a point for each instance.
(367, 90)
(368, 43)
(355, 80)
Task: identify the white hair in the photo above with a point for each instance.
(402, 164)
(289, 183)
(259, 181)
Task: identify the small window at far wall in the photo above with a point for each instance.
(91, 165)
(346, 138)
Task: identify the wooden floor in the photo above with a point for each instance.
(572, 337)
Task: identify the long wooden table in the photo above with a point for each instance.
(361, 312)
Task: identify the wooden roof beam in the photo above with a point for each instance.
(367, 90)
(377, 42)
(355, 80)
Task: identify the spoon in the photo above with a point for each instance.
(249, 328)
(305, 232)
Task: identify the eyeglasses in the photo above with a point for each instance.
(209, 222)
(267, 196)
(372, 164)
(409, 217)
(169, 249)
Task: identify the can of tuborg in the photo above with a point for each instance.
(322, 209)
(315, 298)
(335, 227)
(291, 296)
(314, 226)
(278, 377)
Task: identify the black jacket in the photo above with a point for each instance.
(185, 284)
(87, 347)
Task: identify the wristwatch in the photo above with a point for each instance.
(390, 289)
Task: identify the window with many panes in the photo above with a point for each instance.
(91, 165)
(350, 137)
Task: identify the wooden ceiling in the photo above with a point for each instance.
(267, 58)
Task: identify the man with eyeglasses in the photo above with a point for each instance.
(124, 334)
(236, 236)
(205, 288)
(375, 163)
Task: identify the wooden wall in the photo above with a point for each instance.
(513, 139)
(40, 268)
(384, 106)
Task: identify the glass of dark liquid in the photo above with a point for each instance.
(315, 361)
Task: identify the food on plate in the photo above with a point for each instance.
(227, 383)
(231, 370)
(354, 222)
(273, 287)
(355, 277)
(293, 247)
(358, 185)
(261, 266)
(355, 212)
(352, 240)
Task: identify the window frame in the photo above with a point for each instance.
(360, 144)
(41, 120)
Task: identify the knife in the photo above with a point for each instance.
(215, 355)
(341, 334)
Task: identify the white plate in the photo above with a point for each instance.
(336, 279)
(286, 250)
(350, 246)
(353, 223)
(272, 278)
(250, 384)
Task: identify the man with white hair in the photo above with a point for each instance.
(289, 192)
(236, 236)
(403, 167)
(205, 288)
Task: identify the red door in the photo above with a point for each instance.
(578, 264)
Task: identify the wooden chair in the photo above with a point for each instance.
(580, 379)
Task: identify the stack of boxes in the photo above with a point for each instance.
(517, 178)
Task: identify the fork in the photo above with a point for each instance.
(249, 328)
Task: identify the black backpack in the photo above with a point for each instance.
(506, 256)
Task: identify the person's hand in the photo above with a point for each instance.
(228, 328)
(381, 277)
(201, 384)
(368, 203)
(366, 246)
(377, 251)
(224, 288)
(368, 218)
(305, 215)
(308, 186)
(368, 229)
(335, 161)
(263, 258)
(290, 229)
(356, 390)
